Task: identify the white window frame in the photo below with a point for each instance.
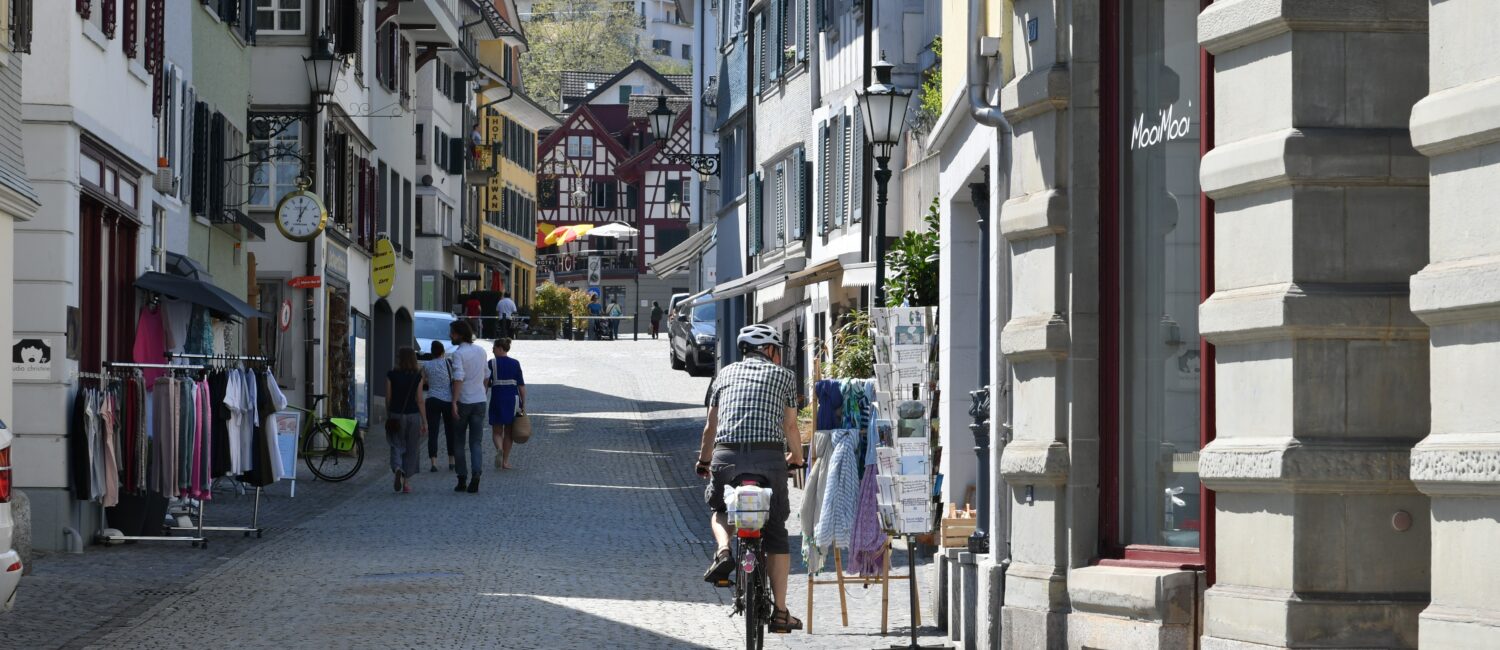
(277, 11)
(273, 165)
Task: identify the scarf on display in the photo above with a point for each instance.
(840, 491)
(867, 541)
(814, 554)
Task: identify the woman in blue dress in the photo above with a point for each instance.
(507, 397)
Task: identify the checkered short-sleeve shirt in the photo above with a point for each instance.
(752, 396)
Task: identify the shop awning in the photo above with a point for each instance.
(861, 274)
(465, 250)
(706, 295)
(760, 279)
(772, 292)
(198, 292)
(682, 254)
(820, 272)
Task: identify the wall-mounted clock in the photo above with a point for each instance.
(301, 216)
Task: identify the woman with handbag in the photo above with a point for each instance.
(406, 417)
(507, 400)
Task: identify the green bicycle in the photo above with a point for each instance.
(332, 448)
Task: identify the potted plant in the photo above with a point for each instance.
(791, 55)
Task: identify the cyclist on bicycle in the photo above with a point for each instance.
(752, 429)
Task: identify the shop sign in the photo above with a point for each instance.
(31, 359)
(383, 267)
(336, 263)
(596, 270)
(284, 315)
(305, 282)
(1168, 127)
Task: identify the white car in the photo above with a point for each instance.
(433, 326)
(10, 561)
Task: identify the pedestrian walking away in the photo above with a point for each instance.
(471, 311)
(614, 321)
(507, 309)
(507, 398)
(469, 401)
(437, 375)
(595, 310)
(405, 405)
(752, 429)
(655, 318)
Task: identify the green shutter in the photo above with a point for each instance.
(823, 168)
(800, 172)
(841, 168)
(759, 74)
(857, 164)
(801, 24)
(776, 40)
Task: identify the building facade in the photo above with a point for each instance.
(18, 199)
(1239, 315)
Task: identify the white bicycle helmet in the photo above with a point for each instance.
(758, 335)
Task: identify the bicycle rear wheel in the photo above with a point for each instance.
(756, 614)
(328, 463)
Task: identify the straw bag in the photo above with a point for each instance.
(520, 429)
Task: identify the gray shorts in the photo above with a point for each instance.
(770, 464)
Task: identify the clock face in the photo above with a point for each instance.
(300, 216)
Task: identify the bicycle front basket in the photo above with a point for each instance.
(342, 433)
(748, 506)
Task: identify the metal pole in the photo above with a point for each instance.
(911, 601)
(882, 179)
(979, 541)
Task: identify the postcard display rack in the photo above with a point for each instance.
(905, 340)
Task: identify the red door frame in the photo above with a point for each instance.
(1111, 551)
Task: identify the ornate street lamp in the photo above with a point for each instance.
(706, 164)
(322, 68)
(884, 107)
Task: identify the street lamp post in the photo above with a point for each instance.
(884, 107)
(322, 67)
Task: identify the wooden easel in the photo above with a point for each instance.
(885, 577)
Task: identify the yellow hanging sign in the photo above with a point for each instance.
(383, 267)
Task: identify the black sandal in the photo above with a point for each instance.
(782, 622)
(719, 571)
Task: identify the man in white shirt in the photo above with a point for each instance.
(507, 308)
(470, 399)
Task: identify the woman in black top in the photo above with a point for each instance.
(406, 409)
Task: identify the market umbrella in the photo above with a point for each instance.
(542, 230)
(575, 232)
(558, 233)
(615, 230)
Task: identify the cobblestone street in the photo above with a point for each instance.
(596, 540)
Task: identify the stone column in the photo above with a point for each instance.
(1321, 218)
(1049, 222)
(1458, 294)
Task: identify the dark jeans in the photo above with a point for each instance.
(405, 443)
(469, 438)
(439, 416)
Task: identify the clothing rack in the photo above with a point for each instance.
(98, 376)
(254, 526)
(197, 540)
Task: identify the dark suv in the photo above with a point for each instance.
(693, 338)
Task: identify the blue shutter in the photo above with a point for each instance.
(774, 43)
(841, 168)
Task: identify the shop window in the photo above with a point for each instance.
(1154, 377)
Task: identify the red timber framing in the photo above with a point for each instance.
(1111, 551)
(658, 178)
(583, 154)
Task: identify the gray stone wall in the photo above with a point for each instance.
(1320, 221)
(1457, 126)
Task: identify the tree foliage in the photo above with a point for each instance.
(853, 348)
(913, 262)
(587, 35)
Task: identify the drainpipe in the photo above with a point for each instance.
(988, 115)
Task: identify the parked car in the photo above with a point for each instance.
(431, 326)
(10, 561)
(673, 302)
(693, 338)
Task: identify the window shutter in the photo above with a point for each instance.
(458, 87)
(840, 168)
(455, 156)
(346, 17)
(216, 165)
(778, 203)
(759, 74)
(820, 20)
(632, 197)
(752, 213)
(200, 159)
(801, 25)
(857, 165)
(776, 41)
(802, 170)
(824, 156)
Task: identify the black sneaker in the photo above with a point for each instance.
(397, 484)
(463, 483)
(474, 485)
